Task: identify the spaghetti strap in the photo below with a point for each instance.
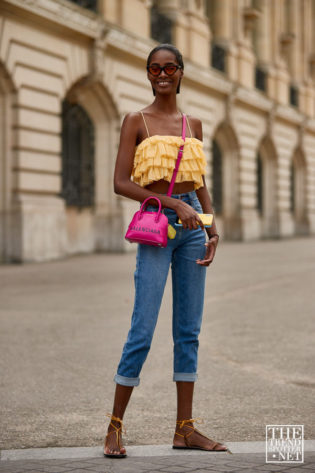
(189, 126)
(145, 124)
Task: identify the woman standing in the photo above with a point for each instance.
(146, 158)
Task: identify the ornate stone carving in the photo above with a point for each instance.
(250, 16)
(286, 41)
(97, 54)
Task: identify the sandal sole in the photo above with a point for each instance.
(203, 449)
(112, 455)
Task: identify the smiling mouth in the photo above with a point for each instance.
(163, 82)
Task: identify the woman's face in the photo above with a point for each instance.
(164, 83)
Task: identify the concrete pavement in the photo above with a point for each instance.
(63, 325)
(247, 457)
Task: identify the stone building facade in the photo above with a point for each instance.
(71, 70)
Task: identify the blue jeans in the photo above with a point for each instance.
(188, 282)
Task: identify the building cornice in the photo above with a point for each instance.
(127, 42)
(290, 115)
(63, 13)
(253, 99)
(207, 78)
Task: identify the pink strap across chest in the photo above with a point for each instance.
(179, 157)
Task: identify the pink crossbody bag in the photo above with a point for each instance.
(150, 228)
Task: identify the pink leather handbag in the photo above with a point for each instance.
(150, 228)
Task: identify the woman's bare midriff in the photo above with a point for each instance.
(161, 187)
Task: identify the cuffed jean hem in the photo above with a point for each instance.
(185, 377)
(126, 381)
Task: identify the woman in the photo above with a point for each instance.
(155, 134)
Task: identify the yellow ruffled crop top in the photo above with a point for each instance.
(156, 155)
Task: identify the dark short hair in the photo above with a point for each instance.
(168, 47)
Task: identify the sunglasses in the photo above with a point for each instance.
(169, 69)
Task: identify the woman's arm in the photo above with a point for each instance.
(205, 202)
(123, 169)
(203, 193)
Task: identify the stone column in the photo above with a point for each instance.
(132, 15)
(191, 29)
(221, 23)
(198, 36)
(312, 39)
(262, 34)
(293, 26)
(221, 15)
(246, 18)
(110, 10)
(278, 80)
(307, 45)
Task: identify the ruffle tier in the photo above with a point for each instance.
(156, 156)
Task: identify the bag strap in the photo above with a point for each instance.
(179, 157)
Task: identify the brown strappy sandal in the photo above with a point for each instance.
(189, 446)
(117, 431)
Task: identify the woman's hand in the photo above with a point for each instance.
(211, 247)
(189, 217)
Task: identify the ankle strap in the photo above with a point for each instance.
(181, 423)
(117, 419)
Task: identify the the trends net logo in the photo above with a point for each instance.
(284, 443)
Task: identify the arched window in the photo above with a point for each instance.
(298, 186)
(259, 171)
(298, 195)
(217, 178)
(161, 25)
(292, 187)
(8, 232)
(77, 156)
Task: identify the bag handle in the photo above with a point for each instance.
(144, 204)
(179, 157)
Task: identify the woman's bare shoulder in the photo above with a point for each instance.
(196, 126)
(132, 118)
(194, 120)
(131, 126)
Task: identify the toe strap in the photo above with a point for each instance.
(190, 432)
(215, 444)
(117, 430)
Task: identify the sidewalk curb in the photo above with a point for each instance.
(133, 451)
